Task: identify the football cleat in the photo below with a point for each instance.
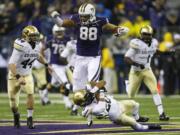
(90, 123)
(163, 117)
(142, 119)
(16, 120)
(30, 123)
(155, 127)
(45, 103)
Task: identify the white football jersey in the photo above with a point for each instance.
(70, 52)
(141, 53)
(111, 108)
(23, 56)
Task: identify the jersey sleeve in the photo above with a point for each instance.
(19, 45)
(134, 44)
(133, 49)
(15, 57)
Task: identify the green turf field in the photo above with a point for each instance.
(55, 114)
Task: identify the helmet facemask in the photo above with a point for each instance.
(31, 34)
(86, 13)
(146, 37)
(58, 32)
(146, 34)
(83, 98)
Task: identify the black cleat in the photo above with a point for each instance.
(163, 117)
(30, 123)
(17, 120)
(90, 123)
(155, 127)
(74, 112)
(142, 119)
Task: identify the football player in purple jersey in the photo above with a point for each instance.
(56, 46)
(89, 29)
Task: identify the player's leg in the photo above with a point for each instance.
(130, 106)
(13, 94)
(94, 68)
(135, 79)
(40, 76)
(29, 89)
(151, 83)
(79, 78)
(66, 86)
(130, 121)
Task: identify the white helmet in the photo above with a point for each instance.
(58, 31)
(87, 13)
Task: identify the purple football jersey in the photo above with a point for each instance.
(88, 36)
(56, 46)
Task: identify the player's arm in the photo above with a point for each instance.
(60, 22)
(12, 66)
(111, 28)
(42, 60)
(129, 54)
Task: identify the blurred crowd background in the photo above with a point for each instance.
(162, 15)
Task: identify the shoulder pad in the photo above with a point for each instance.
(134, 43)
(155, 42)
(19, 44)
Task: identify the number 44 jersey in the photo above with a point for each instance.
(23, 56)
(88, 36)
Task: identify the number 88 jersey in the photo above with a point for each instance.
(23, 56)
(88, 40)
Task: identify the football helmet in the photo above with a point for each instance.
(83, 98)
(31, 34)
(146, 33)
(87, 13)
(58, 32)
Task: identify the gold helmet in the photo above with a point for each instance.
(146, 33)
(83, 98)
(31, 34)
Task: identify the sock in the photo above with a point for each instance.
(67, 101)
(139, 126)
(158, 103)
(127, 86)
(40, 93)
(45, 93)
(30, 112)
(135, 111)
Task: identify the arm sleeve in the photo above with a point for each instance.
(15, 57)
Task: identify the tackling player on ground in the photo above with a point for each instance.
(25, 52)
(89, 29)
(95, 102)
(139, 57)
